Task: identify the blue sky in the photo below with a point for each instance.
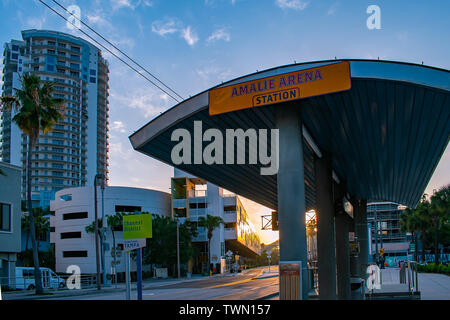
(193, 45)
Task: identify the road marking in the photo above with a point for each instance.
(236, 282)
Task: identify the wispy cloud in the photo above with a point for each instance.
(131, 4)
(165, 26)
(332, 10)
(118, 126)
(292, 4)
(220, 34)
(189, 35)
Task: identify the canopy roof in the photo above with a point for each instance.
(386, 134)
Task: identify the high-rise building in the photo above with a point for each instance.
(77, 147)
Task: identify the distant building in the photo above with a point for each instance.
(10, 213)
(74, 210)
(77, 148)
(193, 198)
(387, 216)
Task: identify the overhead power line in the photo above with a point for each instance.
(115, 55)
(115, 47)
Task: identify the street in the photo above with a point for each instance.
(250, 285)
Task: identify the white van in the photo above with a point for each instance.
(25, 278)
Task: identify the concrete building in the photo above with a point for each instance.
(77, 149)
(10, 213)
(193, 198)
(387, 216)
(75, 209)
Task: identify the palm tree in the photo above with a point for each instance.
(440, 208)
(91, 229)
(410, 222)
(42, 224)
(113, 222)
(210, 223)
(36, 111)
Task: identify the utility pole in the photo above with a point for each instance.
(178, 247)
(97, 257)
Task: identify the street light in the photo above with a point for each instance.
(97, 257)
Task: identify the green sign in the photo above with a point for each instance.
(137, 226)
(412, 247)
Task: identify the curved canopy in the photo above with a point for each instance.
(385, 135)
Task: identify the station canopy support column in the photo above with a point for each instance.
(362, 233)
(325, 228)
(342, 248)
(291, 190)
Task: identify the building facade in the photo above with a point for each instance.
(77, 148)
(74, 210)
(193, 198)
(385, 217)
(10, 223)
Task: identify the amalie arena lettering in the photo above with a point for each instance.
(300, 84)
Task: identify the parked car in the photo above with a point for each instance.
(24, 279)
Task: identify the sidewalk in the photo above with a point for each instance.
(120, 287)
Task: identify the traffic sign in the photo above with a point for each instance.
(381, 251)
(137, 226)
(131, 244)
(412, 247)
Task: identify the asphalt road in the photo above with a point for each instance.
(250, 285)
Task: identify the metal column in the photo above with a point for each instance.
(342, 221)
(326, 249)
(361, 230)
(291, 190)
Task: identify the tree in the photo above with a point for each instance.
(439, 214)
(36, 111)
(410, 221)
(114, 222)
(42, 224)
(91, 229)
(210, 223)
(162, 249)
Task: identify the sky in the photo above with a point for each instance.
(194, 45)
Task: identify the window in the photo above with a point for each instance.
(50, 68)
(15, 47)
(120, 208)
(5, 217)
(75, 254)
(71, 235)
(92, 72)
(75, 215)
(92, 80)
(14, 56)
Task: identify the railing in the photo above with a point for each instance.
(28, 283)
(196, 193)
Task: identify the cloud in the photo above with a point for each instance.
(189, 35)
(118, 126)
(332, 10)
(165, 26)
(219, 34)
(118, 4)
(149, 103)
(292, 4)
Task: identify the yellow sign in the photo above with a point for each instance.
(381, 251)
(281, 88)
(137, 226)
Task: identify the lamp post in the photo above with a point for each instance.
(97, 257)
